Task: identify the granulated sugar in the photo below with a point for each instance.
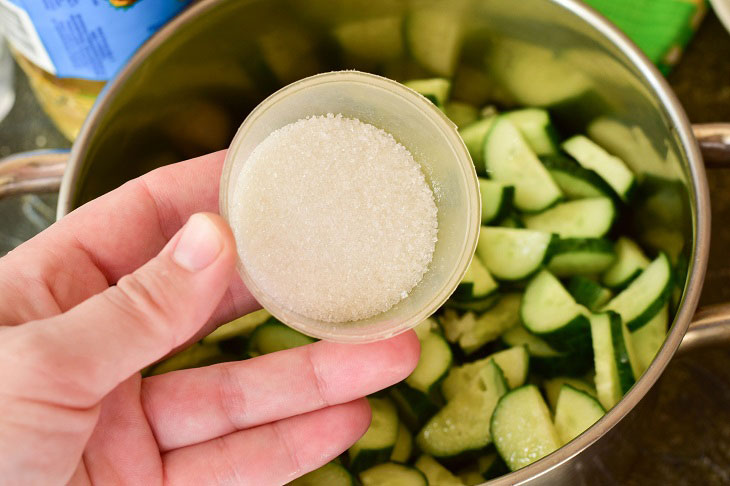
(334, 219)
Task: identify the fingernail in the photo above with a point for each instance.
(199, 244)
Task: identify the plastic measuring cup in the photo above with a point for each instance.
(435, 144)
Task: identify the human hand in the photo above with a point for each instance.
(117, 285)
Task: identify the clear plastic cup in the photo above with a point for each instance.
(434, 142)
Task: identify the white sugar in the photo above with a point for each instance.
(334, 219)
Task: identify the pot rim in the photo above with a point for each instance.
(673, 111)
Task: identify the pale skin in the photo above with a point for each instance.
(117, 285)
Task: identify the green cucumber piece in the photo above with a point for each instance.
(477, 283)
(434, 37)
(535, 126)
(331, 474)
(436, 90)
(583, 218)
(436, 474)
(575, 412)
(462, 425)
(497, 198)
(403, 445)
(477, 306)
(612, 169)
(508, 158)
(630, 262)
(580, 256)
(514, 363)
(462, 114)
(648, 340)
(371, 40)
(553, 385)
(392, 474)
(522, 429)
(512, 254)
(433, 364)
(243, 326)
(575, 181)
(614, 375)
(588, 292)
(544, 360)
(273, 336)
(551, 313)
(414, 407)
(379, 440)
(646, 295)
(474, 135)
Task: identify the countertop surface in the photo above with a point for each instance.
(688, 438)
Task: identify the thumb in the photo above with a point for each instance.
(85, 353)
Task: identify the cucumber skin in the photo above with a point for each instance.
(415, 408)
(574, 336)
(625, 373)
(571, 364)
(650, 312)
(369, 458)
(562, 163)
(505, 208)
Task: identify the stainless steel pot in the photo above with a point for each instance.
(188, 88)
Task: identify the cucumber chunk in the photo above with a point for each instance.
(243, 326)
(512, 254)
(474, 135)
(436, 90)
(575, 181)
(630, 261)
(552, 388)
(436, 473)
(575, 412)
(403, 445)
(331, 474)
(649, 339)
(434, 39)
(379, 440)
(514, 363)
(588, 292)
(462, 426)
(433, 364)
(522, 429)
(535, 126)
(392, 474)
(544, 360)
(614, 375)
(646, 295)
(477, 283)
(550, 312)
(612, 169)
(508, 158)
(374, 40)
(462, 114)
(414, 407)
(274, 336)
(497, 198)
(584, 218)
(580, 256)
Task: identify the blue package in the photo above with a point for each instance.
(89, 39)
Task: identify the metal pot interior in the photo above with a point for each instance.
(189, 88)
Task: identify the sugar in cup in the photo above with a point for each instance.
(436, 146)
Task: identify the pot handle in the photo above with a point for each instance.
(714, 140)
(710, 326)
(36, 171)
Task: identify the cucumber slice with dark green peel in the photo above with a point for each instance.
(403, 445)
(575, 181)
(509, 159)
(436, 90)
(544, 360)
(415, 408)
(243, 326)
(472, 331)
(522, 428)
(512, 220)
(645, 296)
(630, 262)
(433, 365)
(392, 474)
(462, 425)
(462, 114)
(497, 198)
(195, 356)
(492, 466)
(552, 388)
(477, 283)
(575, 412)
(580, 256)
(614, 375)
(514, 363)
(474, 135)
(551, 313)
(274, 336)
(513, 254)
(612, 169)
(536, 128)
(476, 306)
(648, 340)
(588, 292)
(584, 218)
(430, 324)
(434, 39)
(331, 474)
(377, 444)
(435, 472)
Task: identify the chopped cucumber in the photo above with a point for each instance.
(512, 254)
(552, 388)
(436, 474)
(575, 412)
(426, 326)
(584, 218)
(462, 114)
(414, 407)
(497, 200)
(508, 158)
(331, 474)
(477, 306)
(514, 363)
(575, 181)
(436, 90)
(646, 295)
(243, 326)
(403, 445)
(379, 440)
(434, 38)
(648, 340)
(588, 292)
(550, 312)
(274, 336)
(612, 169)
(470, 476)
(580, 256)
(534, 124)
(522, 429)
(433, 365)
(474, 135)
(477, 283)
(544, 360)
(373, 40)
(630, 261)
(462, 425)
(392, 474)
(614, 375)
